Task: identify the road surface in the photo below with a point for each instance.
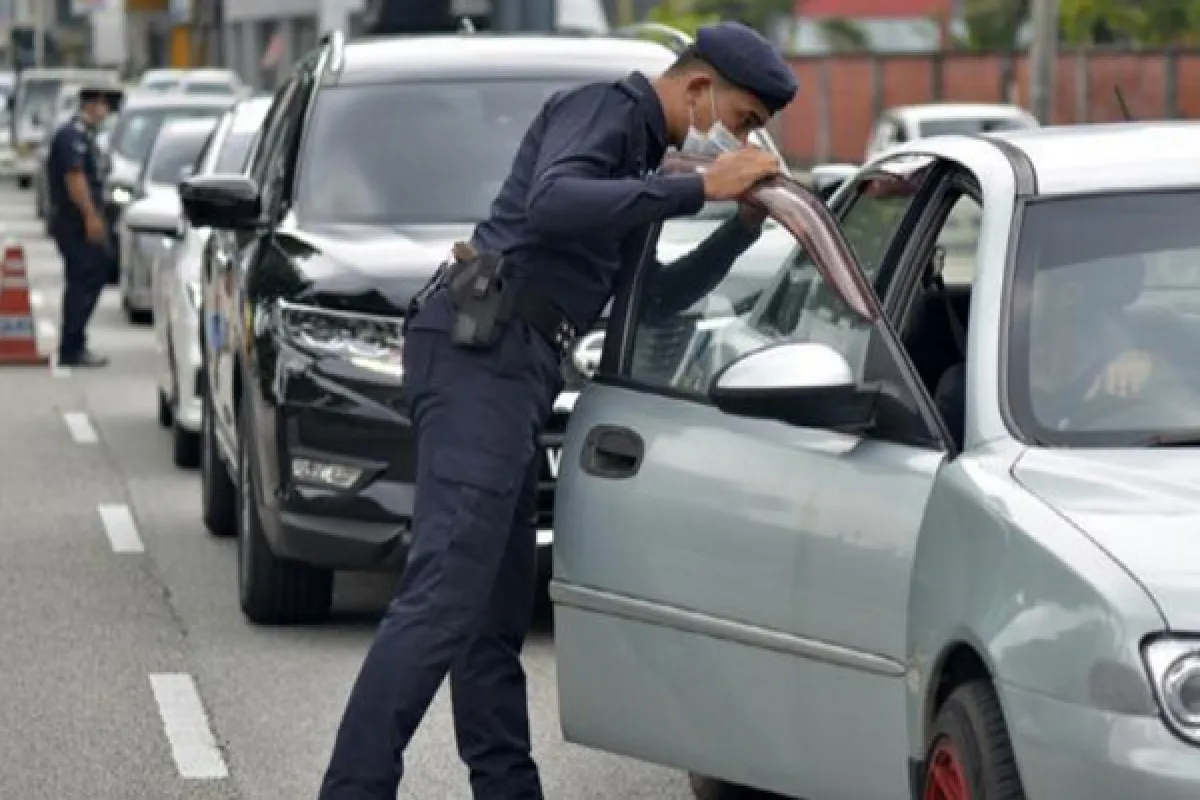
(128, 671)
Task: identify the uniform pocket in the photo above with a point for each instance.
(484, 495)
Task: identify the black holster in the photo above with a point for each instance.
(480, 296)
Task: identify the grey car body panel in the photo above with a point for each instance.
(775, 606)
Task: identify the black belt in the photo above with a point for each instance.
(544, 316)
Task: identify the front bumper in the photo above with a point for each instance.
(1070, 752)
(333, 413)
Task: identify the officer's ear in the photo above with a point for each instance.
(697, 86)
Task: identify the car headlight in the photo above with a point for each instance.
(370, 342)
(1174, 666)
(120, 195)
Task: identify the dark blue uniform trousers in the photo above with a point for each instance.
(465, 601)
(85, 273)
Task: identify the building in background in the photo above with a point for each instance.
(894, 26)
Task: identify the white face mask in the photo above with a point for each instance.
(715, 141)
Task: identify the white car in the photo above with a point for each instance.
(176, 287)
(902, 124)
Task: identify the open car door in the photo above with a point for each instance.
(697, 545)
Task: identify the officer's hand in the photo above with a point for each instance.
(731, 174)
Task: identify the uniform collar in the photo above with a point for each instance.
(652, 113)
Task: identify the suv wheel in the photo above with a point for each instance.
(185, 445)
(217, 491)
(272, 590)
(970, 756)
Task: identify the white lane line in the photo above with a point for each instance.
(46, 328)
(192, 743)
(80, 427)
(59, 372)
(120, 528)
(36, 300)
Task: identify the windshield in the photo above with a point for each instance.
(171, 156)
(208, 88)
(946, 127)
(38, 96)
(1106, 319)
(138, 128)
(232, 157)
(382, 154)
(161, 84)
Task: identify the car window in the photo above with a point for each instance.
(1102, 281)
(170, 156)
(458, 149)
(138, 128)
(968, 125)
(232, 155)
(959, 240)
(208, 88)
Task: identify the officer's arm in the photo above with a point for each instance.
(573, 191)
(688, 279)
(68, 152)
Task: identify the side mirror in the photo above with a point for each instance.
(224, 202)
(149, 216)
(805, 384)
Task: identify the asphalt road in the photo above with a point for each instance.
(126, 668)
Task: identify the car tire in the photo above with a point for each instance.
(217, 490)
(164, 410)
(969, 754)
(271, 590)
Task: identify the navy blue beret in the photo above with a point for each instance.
(745, 58)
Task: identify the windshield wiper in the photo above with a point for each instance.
(1184, 438)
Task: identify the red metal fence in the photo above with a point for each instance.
(840, 95)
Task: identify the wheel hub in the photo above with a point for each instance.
(945, 778)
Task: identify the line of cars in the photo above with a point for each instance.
(839, 530)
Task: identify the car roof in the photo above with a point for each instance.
(1073, 159)
(406, 57)
(940, 111)
(142, 98)
(209, 74)
(188, 127)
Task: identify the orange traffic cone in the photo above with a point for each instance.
(18, 338)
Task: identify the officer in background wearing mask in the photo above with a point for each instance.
(78, 225)
(483, 366)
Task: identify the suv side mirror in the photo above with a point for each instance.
(224, 202)
(806, 384)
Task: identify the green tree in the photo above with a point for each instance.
(994, 24)
(844, 35)
(681, 14)
(758, 14)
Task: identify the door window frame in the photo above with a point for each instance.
(835, 261)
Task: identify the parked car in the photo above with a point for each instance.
(142, 114)
(171, 159)
(903, 124)
(177, 289)
(915, 524)
(32, 109)
(315, 289)
(205, 80)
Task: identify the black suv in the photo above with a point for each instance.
(374, 158)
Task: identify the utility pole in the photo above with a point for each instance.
(1043, 57)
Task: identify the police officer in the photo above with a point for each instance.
(77, 224)
(574, 214)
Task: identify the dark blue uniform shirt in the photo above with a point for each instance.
(73, 147)
(580, 201)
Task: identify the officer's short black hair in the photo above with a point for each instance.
(689, 60)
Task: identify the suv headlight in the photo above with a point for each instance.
(1174, 666)
(370, 342)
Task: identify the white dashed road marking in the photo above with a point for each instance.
(192, 743)
(80, 427)
(120, 528)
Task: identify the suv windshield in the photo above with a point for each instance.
(1106, 319)
(171, 156)
(208, 88)
(137, 128)
(38, 96)
(415, 153)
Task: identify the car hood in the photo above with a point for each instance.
(122, 171)
(1141, 506)
(368, 268)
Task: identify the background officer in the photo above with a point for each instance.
(574, 214)
(77, 224)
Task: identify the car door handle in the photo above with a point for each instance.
(612, 452)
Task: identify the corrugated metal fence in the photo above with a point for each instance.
(841, 95)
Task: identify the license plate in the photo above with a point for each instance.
(553, 460)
